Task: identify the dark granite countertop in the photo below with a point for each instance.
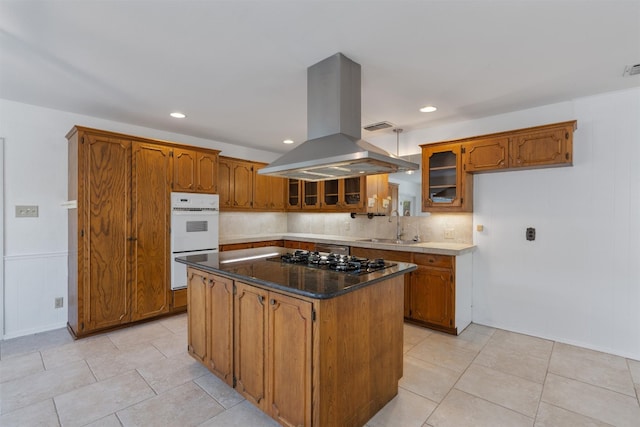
(252, 266)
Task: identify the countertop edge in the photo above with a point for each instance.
(438, 248)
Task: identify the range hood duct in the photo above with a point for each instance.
(334, 148)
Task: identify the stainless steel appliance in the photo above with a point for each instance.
(194, 230)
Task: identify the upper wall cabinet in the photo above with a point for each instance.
(195, 171)
(334, 195)
(445, 187)
(243, 188)
(530, 148)
(446, 181)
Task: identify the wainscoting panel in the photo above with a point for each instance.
(32, 283)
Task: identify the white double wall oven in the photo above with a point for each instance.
(194, 230)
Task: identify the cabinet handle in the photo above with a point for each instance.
(272, 301)
(261, 299)
(431, 261)
(132, 239)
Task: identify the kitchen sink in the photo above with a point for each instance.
(392, 241)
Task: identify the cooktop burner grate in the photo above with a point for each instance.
(332, 261)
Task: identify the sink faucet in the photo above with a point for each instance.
(398, 230)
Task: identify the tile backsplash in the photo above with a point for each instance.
(434, 228)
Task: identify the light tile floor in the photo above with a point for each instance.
(143, 376)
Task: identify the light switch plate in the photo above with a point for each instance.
(27, 211)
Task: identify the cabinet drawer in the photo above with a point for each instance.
(443, 261)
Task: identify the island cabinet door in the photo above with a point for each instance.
(219, 311)
(196, 314)
(250, 327)
(289, 360)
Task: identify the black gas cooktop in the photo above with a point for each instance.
(332, 261)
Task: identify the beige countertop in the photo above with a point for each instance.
(440, 248)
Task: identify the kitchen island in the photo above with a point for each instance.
(308, 346)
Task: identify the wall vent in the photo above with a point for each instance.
(631, 70)
(378, 126)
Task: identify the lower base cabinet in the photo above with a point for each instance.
(436, 295)
(270, 364)
(302, 361)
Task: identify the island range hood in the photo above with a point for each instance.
(334, 148)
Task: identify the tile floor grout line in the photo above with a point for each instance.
(592, 385)
(577, 413)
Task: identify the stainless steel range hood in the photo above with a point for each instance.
(334, 148)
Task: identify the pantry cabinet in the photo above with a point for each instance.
(119, 241)
(119, 233)
(195, 171)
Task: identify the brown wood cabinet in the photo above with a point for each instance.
(248, 245)
(268, 191)
(336, 195)
(429, 291)
(210, 319)
(378, 196)
(119, 242)
(304, 361)
(195, 171)
(445, 186)
(242, 188)
(235, 184)
(530, 148)
(305, 246)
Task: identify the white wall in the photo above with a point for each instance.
(579, 281)
(35, 256)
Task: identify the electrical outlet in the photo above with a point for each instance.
(449, 233)
(30, 211)
(59, 302)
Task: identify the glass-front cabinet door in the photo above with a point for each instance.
(331, 194)
(444, 183)
(310, 195)
(293, 194)
(354, 193)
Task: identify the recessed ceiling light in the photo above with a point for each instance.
(288, 141)
(428, 109)
(177, 115)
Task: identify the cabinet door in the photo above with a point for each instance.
(197, 286)
(151, 183)
(551, 147)
(294, 194)
(207, 172)
(262, 191)
(486, 154)
(354, 193)
(378, 194)
(310, 195)
(242, 185)
(277, 193)
(432, 296)
(445, 186)
(250, 329)
(289, 360)
(331, 194)
(106, 277)
(184, 170)
(225, 183)
(220, 319)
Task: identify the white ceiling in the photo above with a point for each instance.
(238, 68)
